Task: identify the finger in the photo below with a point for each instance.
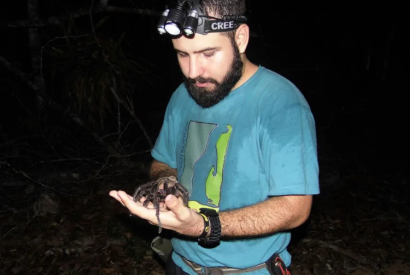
(127, 201)
(162, 206)
(146, 204)
(136, 208)
(150, 205)
(130, 197)
(142, 199)
(125, 198)
(181, 200)
(114, 194)
(176, 206)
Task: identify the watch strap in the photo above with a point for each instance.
(211, 219)
(207, 227)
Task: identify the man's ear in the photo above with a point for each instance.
(242, 37)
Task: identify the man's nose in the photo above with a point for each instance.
(195, 68)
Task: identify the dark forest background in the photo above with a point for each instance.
(84, 86)
(349, 61)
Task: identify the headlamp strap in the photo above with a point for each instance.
(220, 25)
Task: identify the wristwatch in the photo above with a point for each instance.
(212, 224)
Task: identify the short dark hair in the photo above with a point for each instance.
(219, 8)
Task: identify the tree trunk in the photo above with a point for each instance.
(35, 49)
(389, 45)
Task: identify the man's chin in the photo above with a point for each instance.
(206, 104)
(205, 86)
(207, 90)
(199, 92)
(206, 98)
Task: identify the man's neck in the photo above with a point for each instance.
(249, 69)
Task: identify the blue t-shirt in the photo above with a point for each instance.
(257, 142)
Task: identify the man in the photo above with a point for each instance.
(241, 139)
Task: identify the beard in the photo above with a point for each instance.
(205, 97)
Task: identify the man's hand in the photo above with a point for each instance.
(174, 216)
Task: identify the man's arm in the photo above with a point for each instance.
(160, 169)
(272, 215)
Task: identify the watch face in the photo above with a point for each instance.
(208, 212)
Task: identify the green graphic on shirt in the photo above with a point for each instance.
(214, 182)
(197, 141)
(197, 144)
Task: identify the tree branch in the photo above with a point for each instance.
(100, 7)
(131, 112)
(19, 73)
(132, 11)
(57, 107)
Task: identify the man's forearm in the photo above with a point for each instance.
(160, 169)
(273, 215)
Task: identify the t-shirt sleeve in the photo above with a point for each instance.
(289, 145)
(165, 146)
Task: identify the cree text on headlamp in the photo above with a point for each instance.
(187, 19)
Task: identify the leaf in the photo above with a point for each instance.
(101, 22)
(45, 204)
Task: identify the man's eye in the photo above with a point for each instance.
(182, 55)
(210, 54)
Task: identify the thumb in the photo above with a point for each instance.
(175, 205)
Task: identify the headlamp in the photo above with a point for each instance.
(175, 21)
(161, 22)
(191, 22)
(187, 19)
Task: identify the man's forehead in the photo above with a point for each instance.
(199, 41)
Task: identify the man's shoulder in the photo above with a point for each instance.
(180, 90)
(273, 91)
(269, 85)
(274, 80)
(180, 94)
